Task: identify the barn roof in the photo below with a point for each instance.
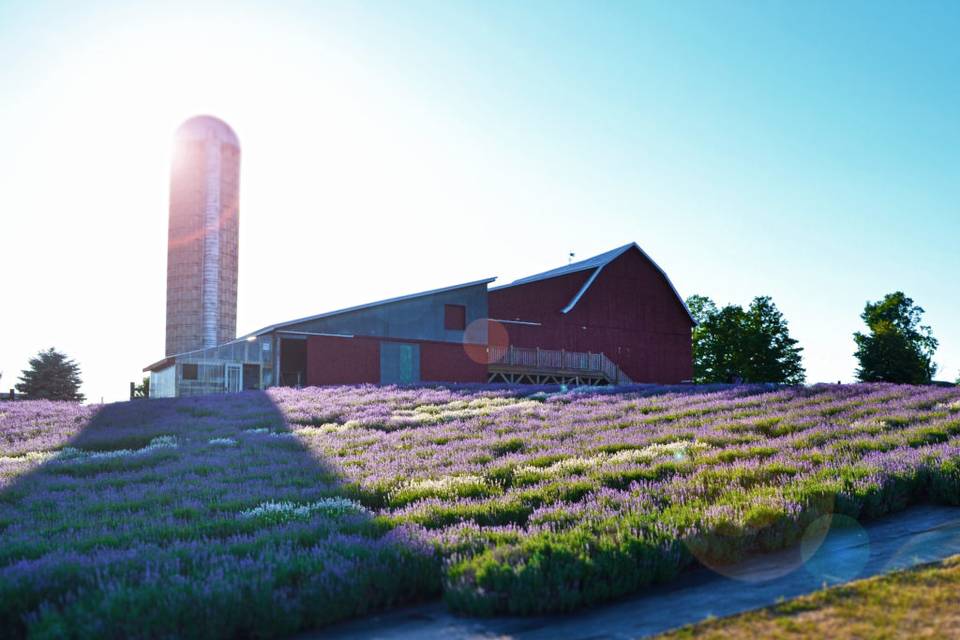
(596, 263)
(368, 305)
(169, 360)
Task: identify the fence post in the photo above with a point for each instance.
(132, 391)
(13, 394)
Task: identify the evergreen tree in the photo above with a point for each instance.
(898, 348)
(51, 376)
(736, 345)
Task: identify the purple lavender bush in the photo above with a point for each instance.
(265, 514)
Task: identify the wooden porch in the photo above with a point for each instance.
(520, 365)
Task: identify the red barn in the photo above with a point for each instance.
(612, 319)
(619, 304)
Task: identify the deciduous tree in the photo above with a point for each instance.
(898, 348)
(733, 344)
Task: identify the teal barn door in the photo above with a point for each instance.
(399, 363)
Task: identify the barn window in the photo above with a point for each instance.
(454, 317)
(190, 372)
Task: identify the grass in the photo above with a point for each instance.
(916, 603)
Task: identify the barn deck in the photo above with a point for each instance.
(516, 365)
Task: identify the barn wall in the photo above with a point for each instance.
(445, 362)
(537, 301)
(337, 360)
(630, 313)
(333, 360)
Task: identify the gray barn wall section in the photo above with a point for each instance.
(419, 318)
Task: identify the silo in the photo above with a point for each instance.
(203, 238)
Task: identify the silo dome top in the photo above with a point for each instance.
(207, 127)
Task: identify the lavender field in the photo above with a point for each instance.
(262, 514)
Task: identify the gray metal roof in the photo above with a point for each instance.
(597, 263)
(590, 263)
(328, 314)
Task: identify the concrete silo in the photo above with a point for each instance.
(203, 237)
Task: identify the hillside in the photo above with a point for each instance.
(267, 513)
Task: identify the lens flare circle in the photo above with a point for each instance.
(485, 340)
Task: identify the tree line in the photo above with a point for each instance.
(732, 344)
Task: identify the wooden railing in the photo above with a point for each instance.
(566, 361)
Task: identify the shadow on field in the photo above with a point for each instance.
(191, 517)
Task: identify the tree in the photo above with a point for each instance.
(733, 344)
(898, 348)
(700, 307)
(51, 376)
(717, 348)
(142, 390)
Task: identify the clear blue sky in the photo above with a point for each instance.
(808, 151)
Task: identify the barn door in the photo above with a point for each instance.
(233, 378)
(399, 363)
